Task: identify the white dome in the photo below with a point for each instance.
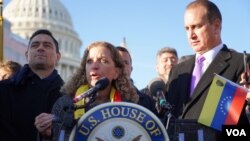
(27, 16)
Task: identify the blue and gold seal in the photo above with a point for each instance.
(119, 121)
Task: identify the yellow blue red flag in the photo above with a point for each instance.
(223, 104)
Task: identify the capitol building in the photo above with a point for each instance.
(23, 17)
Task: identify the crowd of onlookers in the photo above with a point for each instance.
(34, 95)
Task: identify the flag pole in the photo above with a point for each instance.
(1, 30)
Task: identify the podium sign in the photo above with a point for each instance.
(119, 121)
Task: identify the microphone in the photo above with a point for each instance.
(99, 85)
(157, 88)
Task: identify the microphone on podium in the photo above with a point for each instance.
(157, 89)
(100, 85)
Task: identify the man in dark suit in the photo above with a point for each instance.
(203, 23)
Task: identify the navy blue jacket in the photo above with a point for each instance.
(22, 98)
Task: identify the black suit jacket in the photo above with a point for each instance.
(227, 63)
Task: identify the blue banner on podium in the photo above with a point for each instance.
(119, 121)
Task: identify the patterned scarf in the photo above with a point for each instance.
(115, 96)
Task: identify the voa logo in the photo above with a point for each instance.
(236, 132)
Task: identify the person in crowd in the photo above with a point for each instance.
(203, 24)
(32, 91)
(127, 59)
(166, 58)
(245, 77)
(245, 81)
(100, 59)
(8, 69)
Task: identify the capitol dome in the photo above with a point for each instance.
(26, 16)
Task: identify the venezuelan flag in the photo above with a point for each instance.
(223, 104)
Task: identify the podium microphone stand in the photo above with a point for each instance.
(68, 121)
(165, 108)
(167, 115)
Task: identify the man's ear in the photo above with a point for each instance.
(58, 58)
(217, 24)
(26, 55)
(156, 67)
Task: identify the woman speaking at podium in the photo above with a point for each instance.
(100, 60)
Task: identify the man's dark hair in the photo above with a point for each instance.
(47, 32)
(123, 49)
(213, 11)
(167, 50)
